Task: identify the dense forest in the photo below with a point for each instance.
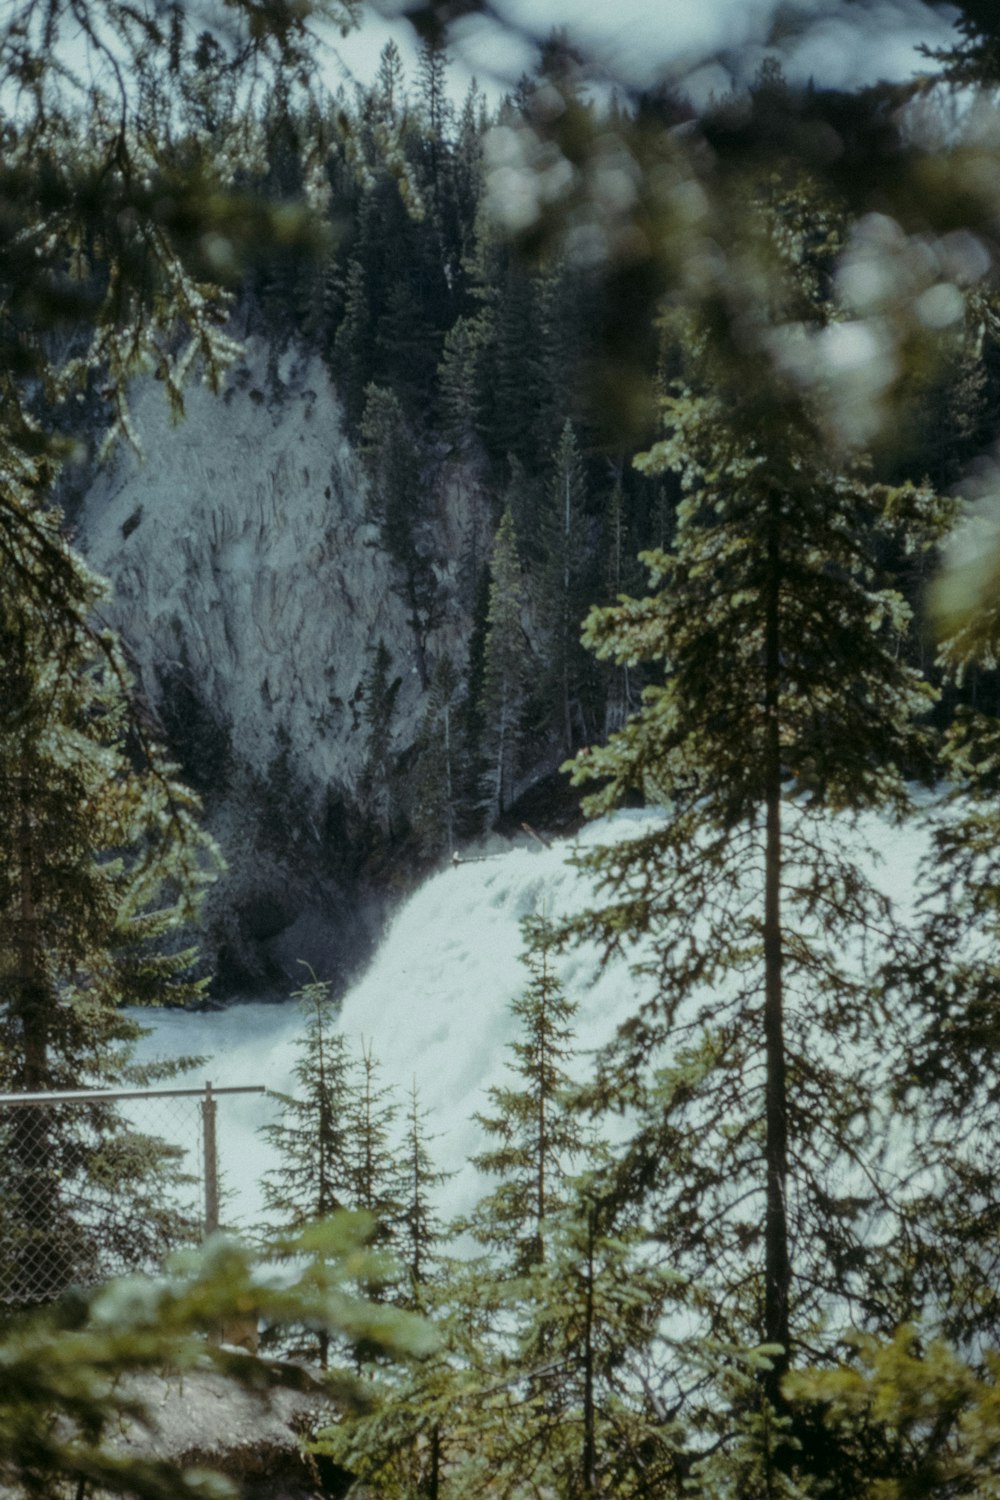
(720, 387)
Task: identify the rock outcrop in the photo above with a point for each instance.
(251, 589)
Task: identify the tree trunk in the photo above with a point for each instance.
(589, 1423)
(777, 1269)
(434, 1480)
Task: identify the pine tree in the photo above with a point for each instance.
(436, 783)
(313, 1135)
(563, 591)
(389, 89)
(504, 672)
(101, 863)
(571, 1305)
(784, 701)
(535, 1136)
(419, 1232)
(351, 354)
(398, 502)
(371, 1167)
(459, 383)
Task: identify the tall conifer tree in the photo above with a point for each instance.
(313, 1135)
(785, 698)
(534, 1136)
(436, 783)
(563, 591)
(504, 672)
(398, 502)
(101, 862)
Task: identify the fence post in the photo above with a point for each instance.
(208, 1108)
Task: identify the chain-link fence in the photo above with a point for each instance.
(94, 1183)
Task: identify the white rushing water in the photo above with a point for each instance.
(434, 1003)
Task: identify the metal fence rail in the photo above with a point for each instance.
(97, 1182)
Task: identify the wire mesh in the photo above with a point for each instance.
(94, 1185)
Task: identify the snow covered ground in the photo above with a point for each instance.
(434, 1003)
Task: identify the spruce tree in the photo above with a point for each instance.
(101, 864)
(570, 1304)
(619, 699)
(586, 1420)
(399, 1440)
(372, 1170)
(389, 89)
(419, 1231)
(460, 398)
(351, 354)
(436, 783)
(563, 592)
(398, 502)
(785, 703)
(535, 1138)
(312, 1136)
(504, 672)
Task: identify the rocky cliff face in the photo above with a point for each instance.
(251, 591)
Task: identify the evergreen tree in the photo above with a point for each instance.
(784, 699)
(398, 501)
(419, 1231)
(436, 783)
(572, 1305)
(101, 862)
(535, 1136)
(472, 126)
(512, 374)
(351, 355)
(74, 1378)
(618, 693)
(563, 592)
(389, 89)
(458, 381)
(504, 671)
(435, 112)
(432, 92)
(585, 1420)
(371, 1167)
(975, 60)
(313, 1135)
(399, 1440)
(122, 222)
